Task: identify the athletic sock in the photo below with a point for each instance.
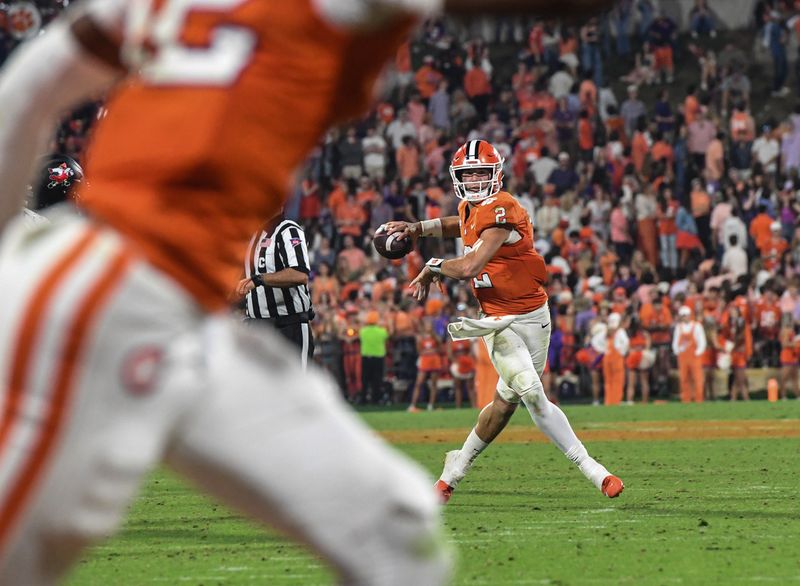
(458, 467)
(471, 449)
(552, 422)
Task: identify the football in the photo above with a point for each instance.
(389, 246)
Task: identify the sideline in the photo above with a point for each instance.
(619, 431)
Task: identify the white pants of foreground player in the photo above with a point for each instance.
(108, 368)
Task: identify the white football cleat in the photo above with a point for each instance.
(451, 475)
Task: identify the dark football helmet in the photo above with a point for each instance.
(58, 176)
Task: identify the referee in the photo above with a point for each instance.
(275, 287)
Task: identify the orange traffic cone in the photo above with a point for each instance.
(772, 390)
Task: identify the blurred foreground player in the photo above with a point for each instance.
(116, 351)
(507, 277)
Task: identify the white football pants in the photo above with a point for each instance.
(519, 354)
(107, 368)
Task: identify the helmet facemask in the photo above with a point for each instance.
(477, 190)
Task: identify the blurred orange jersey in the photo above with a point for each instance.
(512, 282)
(199, 148)
(461, 347)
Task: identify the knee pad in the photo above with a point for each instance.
(529, 387)
(524, 381)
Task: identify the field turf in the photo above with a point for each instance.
(721, 508)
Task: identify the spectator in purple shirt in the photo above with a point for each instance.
(564, 177)
(632, 109)
(665, 119)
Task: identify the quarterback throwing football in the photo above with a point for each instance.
(507, 277)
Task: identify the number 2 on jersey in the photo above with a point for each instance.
(483, 283)
(153, 44)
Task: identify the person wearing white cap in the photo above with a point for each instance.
(614, 360)
(773, 247)
(689, 344)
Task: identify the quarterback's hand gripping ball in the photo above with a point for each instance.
(389, 246)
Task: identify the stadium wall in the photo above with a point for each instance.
(729, 14)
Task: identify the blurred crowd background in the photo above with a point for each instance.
(656, 150)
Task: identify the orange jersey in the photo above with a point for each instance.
(652, 318)
(198, 149)
(461, 351)
(512, 282)
(768, 318)
(789, 347)
(461, 347)
(429, 357)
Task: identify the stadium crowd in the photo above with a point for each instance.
(658, 195)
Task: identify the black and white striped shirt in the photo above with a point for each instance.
(268, 253)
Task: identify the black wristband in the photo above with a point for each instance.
(257, 280)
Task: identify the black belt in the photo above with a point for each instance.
(281, 321)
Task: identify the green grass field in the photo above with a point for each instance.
(706, 511)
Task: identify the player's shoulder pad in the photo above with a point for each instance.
(502, 199)
(505, 198)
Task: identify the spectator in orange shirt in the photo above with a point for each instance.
(715, 158)
(477, 83)
(743, 128)
(790, 345)
(768, 320)
(429, 366)
(619, 301)
(427, 78)
(772, 247)
(639, 361)
(585, 136)
(761, 227)
(337, 196)
(667, 229)
(366, 196)
(608, 266)
(587, 94)
(691, 105)
(700, 203)
(662, 150)
(639, 145)
(325, 288)
(656, 320)
(616, 123)
(407, 158)
(350, 217)
(736, 329)
(351, 262)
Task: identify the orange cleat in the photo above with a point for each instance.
(612, 486)
(445, 491)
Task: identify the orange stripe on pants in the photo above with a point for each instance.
(57, 409)
(28, 329)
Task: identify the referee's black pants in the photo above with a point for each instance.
(299, 334)
(372, 368)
